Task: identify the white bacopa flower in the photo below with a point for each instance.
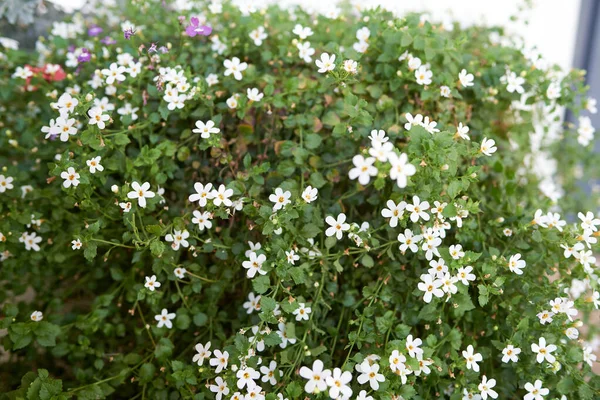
(543, 351)
(126, 207)
(220, 388)
(114, 73)
(235, 67)
(203, 353)
(71, 177)
(291, 257)
(31, 241)
(396, 360)
(326, 63)
(488, 147)
(212, 79)
(270, 373)
(222, 196)
(465, 78)
(456, 252)
(464, 275)
(141, 193)
(361, 47)
(219, 361)
(302, 32)
(510, 353)
(95, 165)
(553, 91)
(180, 272)
(430, 285)
(151, 283)
(253, 303)
(203, 220)
(363, 169)
(514, 83)
(363, 396)
(203, 193)
(416, 120)
(206, 129)
(246, 377)
(75, 244)
(351, 66)
(37, 316)
(445, 91)
(338, 384)
(472, 358)
(305, 52)
(590, 105)
(310, 194)
(409, 241)
(516, 265)
(413, 347)
(417, 209)
(589, 221)
(423, 75)
(317, 377)
(164, 319)
(378, 137)
(232, 102)
(535, 391)
(258, 35)
(462, 131)
(413, 62)
(254, 94)
(438, 268)
(6, 183)
(22, 73)
(97, 117)
(588, 356)
(302, 312)
(370, 373)
(401, 169)
(485, 388)
(280, 198)
(337, 226)
(254, 264)
(394, 212)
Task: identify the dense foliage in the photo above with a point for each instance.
(248, 202)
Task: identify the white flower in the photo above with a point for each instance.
(212, 79)
(401, 169)
(413, 63)
(338, 383)
(151, 283)
(270, 373)
(589, 221)
(363, 396)
(114, 72)
(232, 101)
(485, 387)
(514, 83)
(202, 219)
(465, 78)
(326, 63)
(219, 360)
(203, 353)
(585, 131)
(590, 105)
(31, 241)
(553, 91)
(178, 238)
(67, 103)
(438, 268)
(180, 272)
(302, 32)
(409, 241)
(94, 164)
(305, 52)
(396, 360)
(310, 194)
(126, 207)
(254, 264)
(430, 285)
(141, 193)
(536, 391)
(510, 353)
(360, 47)
(543, 351)
(417, 209)
(71, 177)
(363, 169)
(37, 316)
(464, 275)
(370, 373)
(220, 388)
(317, 377)
(588, 356)
(246, 377)
(205, 130)
(445, 91)
(253, 303)
(394, 212)
(351, 67)
(515, 264)
(75, 244)
(22, 73)
(462, 131)
(472, 358)
(221, 196)
(302, 312)
(336, 226)
(203, 193)
(97, 117)
(254, 94)
(416, 120)
(164, 319)
(423, 75)
(378, 137)
(413, 347)
(280, 198)
(292, 257)
(258, 35)
(6, 183)
(488, 146)
(235, 67)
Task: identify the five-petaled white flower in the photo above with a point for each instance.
(413, 347)
(394, 212)
(510, 353)
(488, 146)
(97, 117)
(465, 78)
(220, 388)
(370, 373)
(280, 199)
(203, 353)
(254, 264)
(76, 244)
(338, 384)
(202, 219)
(219, 360)
(430, 285)
(326, 63)
(221, 196)
(178, 238)
(363, 169)
(37, 316)
(71, 177)
(401, 169)
(114, 72)
(235, 67)
(302, 312)
(485, 388)
(205, 129)
(151, 283)
(516, 265)
(472, 358)
(310, 194)
(6, 183)
(417, 209)
(95, 165)
(317, 377)
(203, 193)
(543, 351)
(141, 193)
(291, 257)
(337, 226)
(535, 391)
(254, 95)
(423, 75)
(164, 318)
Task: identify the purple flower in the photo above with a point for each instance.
(108, 41)
(163, 49)
(152, 48)
(95, 30)
(85, 56)
(196, 29)
(128, 33)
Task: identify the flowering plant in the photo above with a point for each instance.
(240, 202)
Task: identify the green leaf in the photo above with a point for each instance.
(261, 284)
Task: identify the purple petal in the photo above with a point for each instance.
(204, 30)
(195, 21)
(191, 31)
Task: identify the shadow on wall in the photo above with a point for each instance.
(25, 21)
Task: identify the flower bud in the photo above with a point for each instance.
(114, 189)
